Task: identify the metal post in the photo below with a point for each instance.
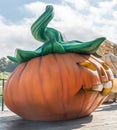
(2, 94)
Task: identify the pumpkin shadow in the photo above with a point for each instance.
(107, 107)
(17, 123)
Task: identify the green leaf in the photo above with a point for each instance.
(52, 47)
(84, 47)
(53, 41)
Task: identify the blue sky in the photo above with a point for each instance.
(77, 19)
(13, 9)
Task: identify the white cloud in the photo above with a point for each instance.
(77, 4)
(67, 19)
(115, 15)
(35, 8)
(14, 36)
(77, 20)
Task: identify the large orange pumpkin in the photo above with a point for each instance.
(56, 87)
(59, 80)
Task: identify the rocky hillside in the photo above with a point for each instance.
(107, 47)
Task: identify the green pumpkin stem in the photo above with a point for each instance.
(53, 41)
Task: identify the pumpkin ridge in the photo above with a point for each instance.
(67, 91)
(6, 98)
(101, 101)
(97, 67)
(108, 70)
(95, 95)
(81, 105)
(62, 101)
(44, 62)
(59, 82)
(41, 84)
(11, 82)
(81, 69)
(83, 82)
(72, 57)
(77, 63)
(96, 104)
(20, 86)
(103, 78)
(41, 94)
(37, 69)
(67, 87)
(25, 64)
(36, 100)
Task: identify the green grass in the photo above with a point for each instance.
(0, 100)
(4, 75)
(0, 90)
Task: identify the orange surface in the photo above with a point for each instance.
(54, 87)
